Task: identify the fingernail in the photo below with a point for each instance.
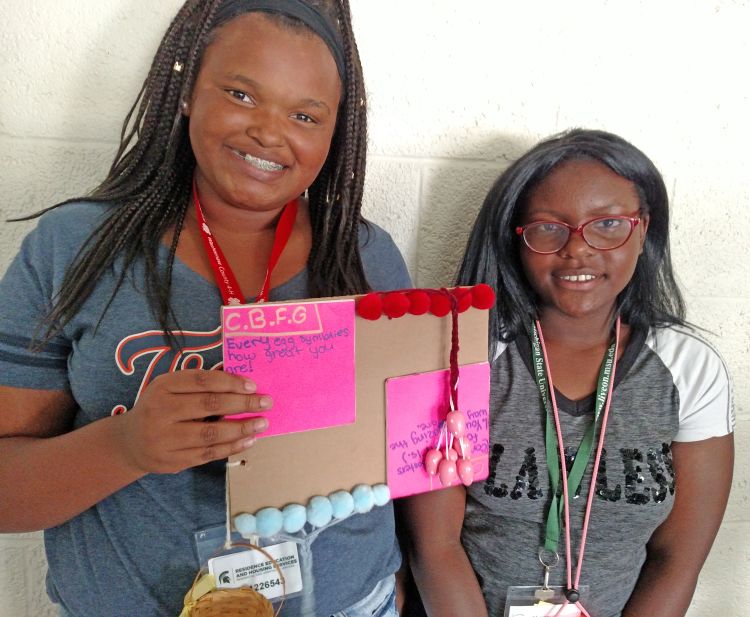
(261, 424)
(248, 442)
(250, 386)
(265, 402)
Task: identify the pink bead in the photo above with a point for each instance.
(431, 459)
(447, 472)
(452, 455)
(465, 471)
(456, 423)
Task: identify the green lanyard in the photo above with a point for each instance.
(604, 384)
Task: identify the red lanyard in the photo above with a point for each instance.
(225, 279)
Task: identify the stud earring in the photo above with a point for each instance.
(184, 107)
(177, 66)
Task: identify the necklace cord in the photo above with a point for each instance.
(560, 445)
(223, 274)
(597, 459)
(561, 450)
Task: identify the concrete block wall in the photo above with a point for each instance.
(456, 91)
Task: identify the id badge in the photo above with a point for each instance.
(538, 601)
(251, 568)
(240, 566)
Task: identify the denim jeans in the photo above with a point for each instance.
(380, 602)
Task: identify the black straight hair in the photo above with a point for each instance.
(492, 256)
(148, 187)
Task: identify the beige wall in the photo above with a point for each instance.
(456, 90)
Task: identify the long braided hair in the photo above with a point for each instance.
(149, 182)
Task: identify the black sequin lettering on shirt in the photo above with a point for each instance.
(657, 465)
(535, 491)
(602, 487)
(666, 452)
(631, 459)
(527, 480)
(489, 483)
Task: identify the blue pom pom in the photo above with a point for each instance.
(245, 524)
(363, 498)
(381, 494)
(319, 511)
(295, 516)
(269, 521)
(342, 503)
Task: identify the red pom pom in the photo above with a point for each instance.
(440, 305)
(395, 304)
(463, 298)
(370, 307)
(419, 302)
(483, 296)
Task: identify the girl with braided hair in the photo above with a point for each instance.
(110, 312)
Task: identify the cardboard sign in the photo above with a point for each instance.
(302, 354)
(416, 407)
(293, 467)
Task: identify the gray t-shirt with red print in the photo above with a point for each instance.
(132, 554)
(670, 385)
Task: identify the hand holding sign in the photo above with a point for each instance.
(165, 431)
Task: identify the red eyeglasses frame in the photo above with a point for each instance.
(632, 219)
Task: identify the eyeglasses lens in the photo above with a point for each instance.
(602, 234)
(546, 237)
(607, 233)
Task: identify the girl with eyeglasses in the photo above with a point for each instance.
(611, 448)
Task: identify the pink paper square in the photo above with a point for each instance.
(301, 354)
(416, 405)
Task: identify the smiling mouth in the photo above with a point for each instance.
(578, 278)
(261, 164)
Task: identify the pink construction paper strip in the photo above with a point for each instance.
(302, 354)
(416, 406)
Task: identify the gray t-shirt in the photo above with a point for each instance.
(670, 385)
(132, 554)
